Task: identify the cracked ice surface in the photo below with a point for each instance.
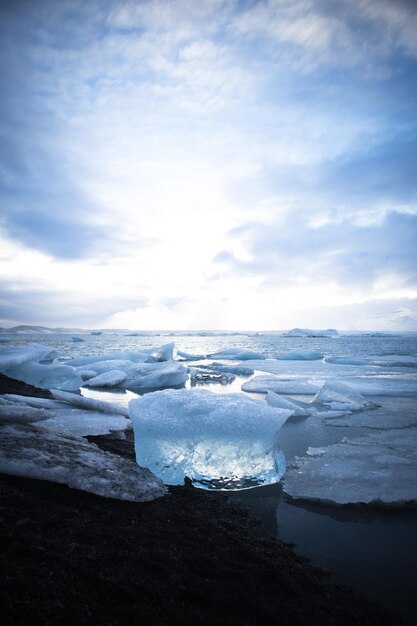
(73, 461)
(226, 442)
(380, 468)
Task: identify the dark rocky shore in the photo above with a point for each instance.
(188, 558)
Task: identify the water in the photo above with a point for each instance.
(373, 550)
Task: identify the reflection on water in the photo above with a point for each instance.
(372, 550)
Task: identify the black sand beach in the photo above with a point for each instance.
(188, 558)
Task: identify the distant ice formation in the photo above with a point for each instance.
(236, 354)
(226, 442)
(300, 355)
(73, 461)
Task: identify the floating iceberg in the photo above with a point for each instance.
(26, 364)
(163, 353)
(224, 442)
(107, 379)
(155, 376)
(378, 469)
(73, 461)
(77, 339)
(296, 386)
(337, 396)
(280, 402)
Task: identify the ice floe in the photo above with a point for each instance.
(337, 396)
(91, 417)
(281, 402)
(378, 469)
(73, 461)
(237, 354)
(150, 355)
(296, 386)
(27, 364)
(226, 441)
(107, 379)
(190, 357)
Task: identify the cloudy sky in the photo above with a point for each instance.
(229, 164)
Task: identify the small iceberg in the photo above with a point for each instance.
(219, 442)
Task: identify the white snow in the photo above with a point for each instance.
(281, 402)
(226, 441)
(296, 386)
(71, 460)
(107, 379)
(380, 468)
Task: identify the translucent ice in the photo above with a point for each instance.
(224, 442)
(190, 357)
(340, 397)
(297, 386)
(378, 469)
(90, 403)
(71, 460)
(281, 402)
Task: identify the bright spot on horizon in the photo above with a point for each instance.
(217, 165)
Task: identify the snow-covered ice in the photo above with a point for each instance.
(380, 469)
(226, 441)
(73, 461)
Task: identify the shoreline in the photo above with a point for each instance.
(188, 557)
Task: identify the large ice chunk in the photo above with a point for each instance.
(107, 379)
(223, 442)
(71, 460)
(155, 376)
(378, 469)
(337, 396)
(162, 353)
(26, 364)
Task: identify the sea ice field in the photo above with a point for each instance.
(322, 424)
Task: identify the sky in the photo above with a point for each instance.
(220, 164)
